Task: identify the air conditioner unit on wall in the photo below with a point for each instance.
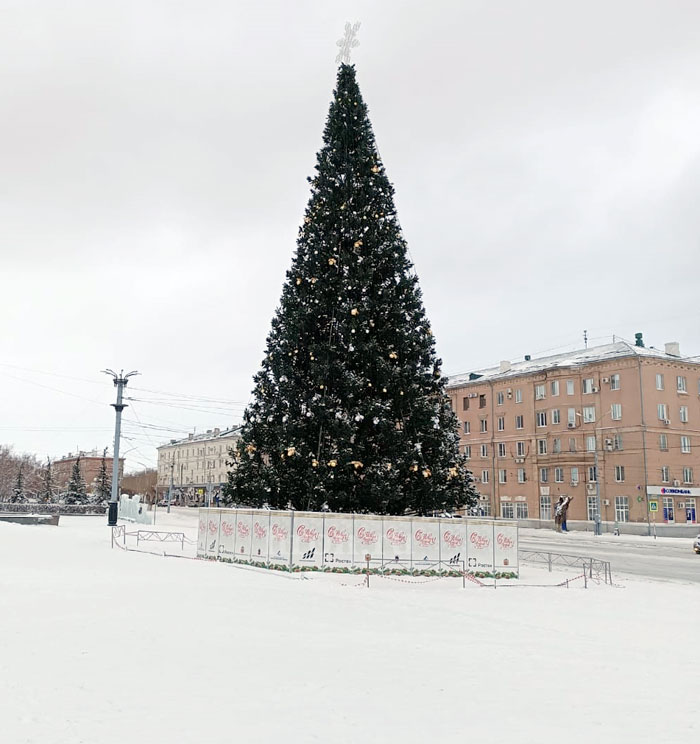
(594, 389)
(676, 483)
(473, 395)
(666, 422)
(571, 425)
(574, 483)
(519, 459)
(606, 379)
(590, 487)
(606, 502)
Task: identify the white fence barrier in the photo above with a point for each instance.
(133, 509)
(303, 541)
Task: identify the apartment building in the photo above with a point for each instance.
(615, 426)
(196, 466)
(90, 466)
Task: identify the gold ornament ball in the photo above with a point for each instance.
(357, 244)
(332, 463)
(314, 463)
(331, 261)
(298, 280)
(426, 473)
(354, 311)
(375, 169)
(291, 451)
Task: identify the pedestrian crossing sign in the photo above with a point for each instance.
(653, 505)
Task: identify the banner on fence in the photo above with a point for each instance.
(322, 541)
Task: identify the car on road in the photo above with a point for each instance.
(696, 545)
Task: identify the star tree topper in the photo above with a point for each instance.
(348, 42)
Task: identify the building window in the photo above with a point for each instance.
(617, 442)
(587, 385)
(502, 474)
(619, 473)
(519, 422)
(544, 475)
(558, 475)
(468, 451)
(484, 476)
(687, 475)
(521, 475)
(690, 513)
(659, 382)
(685, 445)
(482, 401)
(569, 387)
(668, 508)
(662, 410)
(571, 417)
(499, 399)
(592, 474)
(501, 449)
(541, 418)
(663, 442)
(614, 382)
(574, 475)
(616, 411)
(665, 474)
(622, 509)
(590, 443)
(572, 444)
(556, 416)
(554, 387)
(591, 508)
(520, 449)
(681, 384)
(484, 425)
(467, 427)
(501, 423)
(684, 414)
(484, 450)
(556, 445)
(545, 507)
(589, 414)
(465, 403)
(506, 509)
(518, 395)
(541, 446)
(521, 509)
(540, 392)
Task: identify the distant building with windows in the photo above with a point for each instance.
(196, 466)
(90, 465)
(619, 423)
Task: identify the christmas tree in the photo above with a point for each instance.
(76, 492)
(104, 482)
(349, 410)
(47, 490)
(18, 495)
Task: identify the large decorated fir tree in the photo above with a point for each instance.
(349, 410)
(76, 491)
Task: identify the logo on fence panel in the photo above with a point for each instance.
(260, 531)
(308, 555)
(337, 536)
(243, 529)
(424, 538)
(227, 528)
(452, 539)
(307, 534)
(367, 537)
(279, 532)
(396, 537)
(479, 541)
(505, 541)
(213, 527)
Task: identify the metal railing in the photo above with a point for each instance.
(593, 568)
(149, 535)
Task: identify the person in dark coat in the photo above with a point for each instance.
(564, 511)
(557, 514)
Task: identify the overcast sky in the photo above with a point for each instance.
(153, 164)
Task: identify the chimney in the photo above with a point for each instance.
(638, 341)
(527, 357)
(190, 436)
(673, 348)
(504, 366)
(217, 432)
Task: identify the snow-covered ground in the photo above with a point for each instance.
(100, 645)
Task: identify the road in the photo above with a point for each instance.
(666, 558)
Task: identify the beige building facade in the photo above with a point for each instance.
(196, 466)
(616, 427)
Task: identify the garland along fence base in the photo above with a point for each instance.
(344, 543)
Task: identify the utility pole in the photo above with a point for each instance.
(596, 521)
(120, 382)
(170, 490)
